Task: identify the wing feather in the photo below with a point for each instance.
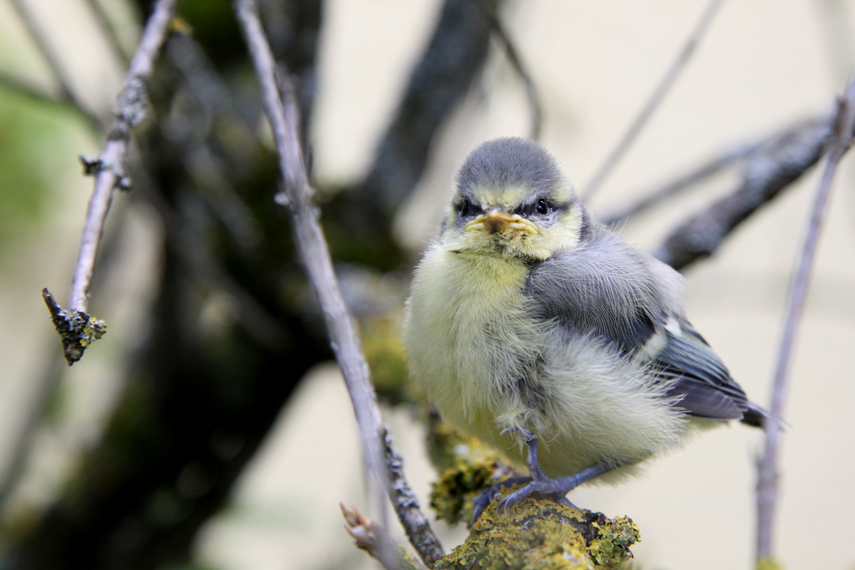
(608, 289)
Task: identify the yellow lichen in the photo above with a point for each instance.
(614, 537)
(542, 534)
(452, 494)
(769, 564)
(384, 353)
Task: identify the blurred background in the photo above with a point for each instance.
(210, 428)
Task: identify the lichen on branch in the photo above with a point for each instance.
(543, 534)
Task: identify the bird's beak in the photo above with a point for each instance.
(497, 220)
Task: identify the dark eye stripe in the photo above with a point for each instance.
(541, 207)
(467, 209)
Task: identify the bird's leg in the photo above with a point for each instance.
(542, 485)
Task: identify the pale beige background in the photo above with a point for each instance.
(763, 64)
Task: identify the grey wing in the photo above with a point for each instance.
(701, 379)
(609, 291)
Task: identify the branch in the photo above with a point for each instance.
(67, 93)
(767, 486)
(109, 168)
(542, 533)
(109, 30)
(654, 101)
(313, 251)
(41, 95)
(454, 56)
(23, 441)
(27, 89)
(521, 70)
(375, 540)
(780, 163)
(406, 505)
(684, 182)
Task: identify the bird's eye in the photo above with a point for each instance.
(543, 207)
(464, 208)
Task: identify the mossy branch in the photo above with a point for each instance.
(543, 534)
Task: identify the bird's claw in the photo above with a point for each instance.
(549, 488)
(485, 497)
(527, 435)
(514, 498)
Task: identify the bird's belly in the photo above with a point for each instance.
(487, 366)
(467, 338)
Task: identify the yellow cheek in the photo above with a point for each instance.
(563, 234)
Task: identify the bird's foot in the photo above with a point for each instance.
(540, 484)
(485, 497)
(554, 489)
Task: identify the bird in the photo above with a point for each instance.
(546, 336)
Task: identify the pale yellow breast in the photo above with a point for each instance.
(470, 343)
(466, 335)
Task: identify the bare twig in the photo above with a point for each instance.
(453, 58)
(767, 486)
(406, 505)
(684, 182)
(521, 70)
(374, 539)
(27, 89)
(777, 165)
(22, 447)
(654, 101)
(42, 95)
(109, 168)
(130, 111)
(109, 30)
(313, 251)
(59, 71)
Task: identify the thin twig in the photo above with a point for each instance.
(683, 182)
(654, 101)
(521, 70)
(59, 71)
(74, 325)
(22, 447)
(109, 30)
(767, 486)
(40, 95)
(452, 59)
(406, 505)
(27, 89)
(313, 251)
(110, 169)
(781, 161)
(375, 540)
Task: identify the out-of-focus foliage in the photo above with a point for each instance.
(28, 135)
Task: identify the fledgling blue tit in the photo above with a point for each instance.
(529, 321)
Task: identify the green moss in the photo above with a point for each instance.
(384, 352)
(452, 494)
(444, 443)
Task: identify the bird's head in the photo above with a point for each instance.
(512, 200)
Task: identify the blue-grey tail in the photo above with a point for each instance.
(755, 416)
